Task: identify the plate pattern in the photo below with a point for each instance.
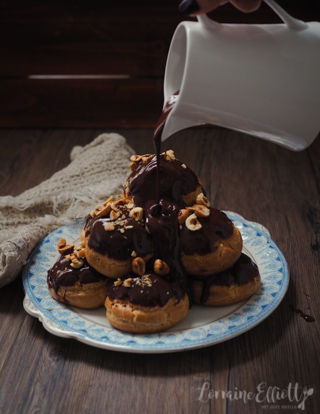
(65, 321)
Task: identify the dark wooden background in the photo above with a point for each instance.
(122, 44)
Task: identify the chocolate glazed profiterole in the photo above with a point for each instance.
(73, 281)
(148, 303)
(114, 235)
(229, 286)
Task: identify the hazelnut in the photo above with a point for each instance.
(138, 266)
(77, 263)
(109, 226)
(93, 213)
(68, 248)
(192, 223)
(62, 242)
(135, 158)
(80, 245)
(136, 213)
(127, 282)
(79, 253)
(161, 268)
(110, 199)
(121, 202)
(170, 154)
(200, 210)
(202, 200)
(114, 214)
(183, 215)
(104, 210)
(132, 164)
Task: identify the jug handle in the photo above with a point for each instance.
(291, 22)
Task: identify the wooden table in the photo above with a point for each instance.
(265, 183)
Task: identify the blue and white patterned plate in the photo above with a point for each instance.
(202, 327)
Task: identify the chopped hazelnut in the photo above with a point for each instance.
(138, 266)
(183, 215)
(202, 199)
(109, 226)
(200, 210)
(114, 214)
(170, 154)
(77, 263)
(136, 213)
(192, 223)
(62, 242)
(161, 268)
(66, 249)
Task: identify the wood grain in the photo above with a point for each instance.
(265, 183)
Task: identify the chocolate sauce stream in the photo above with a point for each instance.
(158, 133)
(162, 218)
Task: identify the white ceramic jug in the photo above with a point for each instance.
(263, 80)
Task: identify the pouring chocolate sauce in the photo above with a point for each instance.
(165, 183)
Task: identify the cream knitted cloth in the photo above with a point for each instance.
(96, 171)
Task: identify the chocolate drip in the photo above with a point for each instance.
(63, 274)
(149, 290)
(162, 222)
(242, 272)
(158, 186)
(158, 134)
(171, 181)
(306, 317)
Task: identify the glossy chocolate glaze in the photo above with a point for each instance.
(170, 180)
(120, 242)
(63, 274)
(242, 272)
(149, 290)
(202, 241)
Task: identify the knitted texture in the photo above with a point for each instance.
(96, 171)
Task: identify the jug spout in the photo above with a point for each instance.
(175, 123)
